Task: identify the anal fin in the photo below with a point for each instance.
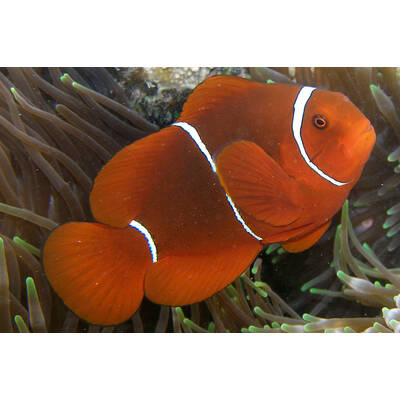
(192, 277)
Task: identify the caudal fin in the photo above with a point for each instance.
(97, 270)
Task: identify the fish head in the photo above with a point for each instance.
(337, 138)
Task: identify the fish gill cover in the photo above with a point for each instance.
(59, 126)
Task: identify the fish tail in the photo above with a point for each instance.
(97, 270)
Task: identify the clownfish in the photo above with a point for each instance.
(183, 212)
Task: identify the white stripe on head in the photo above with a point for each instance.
(299, 107)
(191, 130)
(147, 235)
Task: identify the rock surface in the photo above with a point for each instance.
(158, 93)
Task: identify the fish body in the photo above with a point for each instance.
(184, 211)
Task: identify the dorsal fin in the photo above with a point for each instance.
(214, 90)
(124, 184)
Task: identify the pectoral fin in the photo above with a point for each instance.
(257, 184)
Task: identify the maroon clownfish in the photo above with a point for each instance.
(183, 212)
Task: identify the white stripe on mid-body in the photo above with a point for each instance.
(191, 130)
(240, 219)
(298, 113)
(147, 235)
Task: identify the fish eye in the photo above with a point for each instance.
(320, 121)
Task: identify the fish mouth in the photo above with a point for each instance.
(367, 136)
(368, 129)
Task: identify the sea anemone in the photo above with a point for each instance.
(55, 135)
